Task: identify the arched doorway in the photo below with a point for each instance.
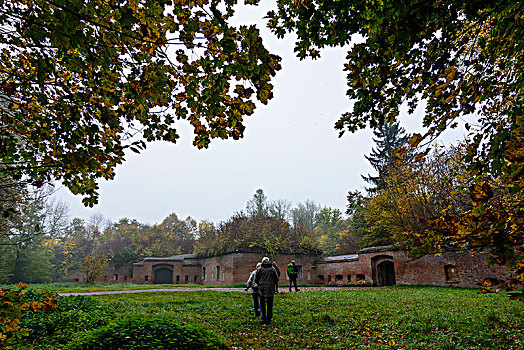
(163, 276)
(383, 270)
(386, 273)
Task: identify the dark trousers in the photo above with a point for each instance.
(256, 298)
(293, 280)
(267, 308)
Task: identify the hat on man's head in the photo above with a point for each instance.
(258, 265)
(265, 260)
(292, 261)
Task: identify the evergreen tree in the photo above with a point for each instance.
(387, 138)
(258, 206)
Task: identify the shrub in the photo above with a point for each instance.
(148, 333)
(74, 314)
(16, 304)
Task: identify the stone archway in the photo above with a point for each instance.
(163, 275)
(386, 273)
(383, 269)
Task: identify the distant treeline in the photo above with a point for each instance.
(42, 244)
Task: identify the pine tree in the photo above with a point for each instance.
(387, 138)
(257, 205)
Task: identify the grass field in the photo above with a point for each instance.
(399, 317)
(68, 287)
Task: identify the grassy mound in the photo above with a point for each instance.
(75, 314)
(150, 333)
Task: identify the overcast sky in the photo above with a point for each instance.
(290, 150)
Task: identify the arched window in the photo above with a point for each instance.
(451, 273)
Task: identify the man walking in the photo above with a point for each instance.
(255, 291)
(266, 278)
(292, 272)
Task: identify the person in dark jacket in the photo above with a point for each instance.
(255, 292)
(292, 272)
(266, 278)
(275, 266)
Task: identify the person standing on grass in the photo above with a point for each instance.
(255, 290)
(266, 278)
(292, 272)
(275, 266)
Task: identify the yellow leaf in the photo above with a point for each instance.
(415, 140)
(451, 97)
(300, 2)
(452, 71)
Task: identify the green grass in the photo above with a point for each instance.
(70, 287)
(413, 318)
(67, 287)
(378, 318)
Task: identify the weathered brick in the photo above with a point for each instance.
(374, 266)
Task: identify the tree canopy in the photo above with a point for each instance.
(256, 233)
(459, 60)
(82, 81)
(459, 57)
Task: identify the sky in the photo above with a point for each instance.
(290, 150)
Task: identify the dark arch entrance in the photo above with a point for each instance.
(383, 270)
(386, 273)
(163, 276)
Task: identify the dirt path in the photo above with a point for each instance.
(165, 290)
(174, 290)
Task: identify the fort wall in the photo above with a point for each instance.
(379, 266)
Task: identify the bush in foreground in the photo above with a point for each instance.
(74, 315)
(150, 333)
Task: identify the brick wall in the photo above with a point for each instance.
(184, 269)
(110, 275)
(226, 269)
(463, 269)
(370, 267)
(236, 267)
